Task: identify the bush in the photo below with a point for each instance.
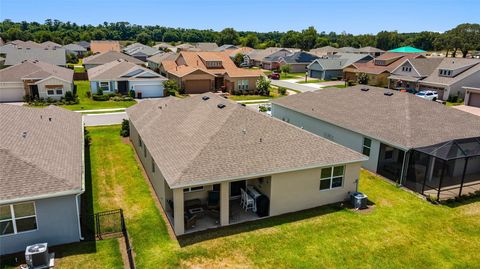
(98, 97)
(351, 83)
(362, 78)
(282, 91)
(125, 131)
(99, 91)
(172, 93)
(69, 96)
(89, 94)
(131, 93)
(263, 86)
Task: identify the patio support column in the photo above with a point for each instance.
(441, 179)
(178, 212)
(463, 177)
(224, 203)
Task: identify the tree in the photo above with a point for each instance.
(72, 58)
(228, 36)
(250, 40)
(144, 38)
(291, 39)
(170, 87)
(285, 69)
(387, 40)
(308, 38)
(263, 86)
(465, 37)
(238, 59)
(170, 36)
(362, 78)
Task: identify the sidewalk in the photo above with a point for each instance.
(101, 110)
(253, 101)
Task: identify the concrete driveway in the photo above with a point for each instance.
(470, 109)
(104, 118)
(307, 87)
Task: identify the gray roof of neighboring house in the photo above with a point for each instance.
(74, 47)
(259, 54)
(194, 142)
(163, 45)
(41, 152)
(109, 56)
(341, 60)
(425, 66)
(34, 70)
(300, 57)
(273, 57)
(226, 47)
(53, 56)
(206, 46)
(26, 44)
(348, 49)
(122, 70)
(402, 120)
(452, 64)
(369, 49)
(84, 44)
(160, 57)
(140, 49)
(50, 45)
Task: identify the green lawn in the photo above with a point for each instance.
(455, 103)
(292, 75)
(402, 230)
(310, 81)
(87, 103)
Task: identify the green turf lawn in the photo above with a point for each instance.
(87, 103)
(402, 231)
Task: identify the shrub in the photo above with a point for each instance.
(263, 86)
(110, 95)
(182, 91)
(50, 100)
(125, 131)
(98, 97)
(362, 78)
(172, 93)
(69, 96)
(131, 93)
(282, 91)
(99, 91)
(351, 83)
(89, 94)
(262, 108)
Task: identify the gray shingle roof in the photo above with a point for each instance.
(369, 49)
(194, 142)
(299, 57)
(74, 48)
(47, 160)
(35, 69)
(452, 64)
(140, 49)
(401, 120)
(341, 60)
(53, 56)
(425, 66)
(116, 70)
(206, 46)
(160, 57)
(109, 56)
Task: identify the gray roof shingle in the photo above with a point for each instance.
(35, 69)
(53, 56)
(109, 56)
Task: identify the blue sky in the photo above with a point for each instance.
(352, 16)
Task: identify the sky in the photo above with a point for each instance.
(351, 16)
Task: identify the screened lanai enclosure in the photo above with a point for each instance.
(446, 170)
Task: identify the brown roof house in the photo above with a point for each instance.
(426, 146)
(99, 46)
(378, 70)
(219, 151)
(41, 176)
(36, 79)
(107, 57)
(408, 75)
(154, 61)
(199, 72)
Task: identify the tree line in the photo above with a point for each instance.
(463, 38)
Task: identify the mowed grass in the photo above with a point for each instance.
(86, 103)
(402, 230)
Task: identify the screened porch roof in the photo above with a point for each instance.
(454, 149)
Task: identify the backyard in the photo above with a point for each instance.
(400, 231)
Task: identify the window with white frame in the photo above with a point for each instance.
(367, 145)
(54, 91)
(193, 189)
(406, 69)
(243, 84)
(331, 177)
(17, 218)
(105, 86)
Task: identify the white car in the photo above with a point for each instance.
(429, 95)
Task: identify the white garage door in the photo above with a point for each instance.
(11, 94)
(149, 90)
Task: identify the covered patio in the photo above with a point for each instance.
(446, 170)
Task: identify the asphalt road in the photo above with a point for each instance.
(104, 119)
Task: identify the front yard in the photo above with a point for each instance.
(401, 231)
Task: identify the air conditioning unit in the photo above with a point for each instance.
(37, 256)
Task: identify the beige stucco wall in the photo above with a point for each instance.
(42, 91)
(294, 191)
(252, 83)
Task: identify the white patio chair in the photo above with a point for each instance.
(249, 202)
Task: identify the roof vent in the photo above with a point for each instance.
(159, 107)
(205, 98)
(220, 106)
(24, 134)
(364, 89)
(388, 93)
(49, 119)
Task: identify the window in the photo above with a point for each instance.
(153, 166)
(331, 177)
(406, 69)
(50, 92)
(145, 152)
(193, 189)
(388, 153)
(59, 91)
(105, 86)
(367, 145)
(243, 84)
(17, 218)
(139, 141)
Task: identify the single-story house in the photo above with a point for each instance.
(206, 46)
(36, 79)
(199, 72)
(378, 70)
(84, 44)
(323, 51)
(408, 75)
(156, 60)
(226, 47)
(99, 46)
(201, 153)
(16, 55)
(348, 50)
(272, 61)
(165, 46)
(298, 61)
(107, 57)
(41, 178)
(75, 49)
(371, 51)
(451, 75)
(51, 45)
(423, 145)
(331, 67)
(255, 57)
(140, 51)
(121, 76)
(472, 96)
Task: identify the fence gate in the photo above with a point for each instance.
(109, 223)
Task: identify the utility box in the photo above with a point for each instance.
(359, 200)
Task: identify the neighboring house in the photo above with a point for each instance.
(100, 46)
(121, 76)
(41, 178)
(54, 56)
(298, 61)
(408, 139)
(165, 46)
(24, 44)
(226, 47)
(2, 62)
(255, 57)
(451, 75)
(156, 60)
(198, 148)
(75, 49)
(242, 50)
(140, 51)
(348, 50)
(185, 47)
(84, 44)
(36, 79)
(378, 70)
(323, 51)
(272, 61)
(206, 46)
(371, 51)
(199, 72)
(51, 45)
(408, 75)
(331, 67)
(107, 57)
(407, 49)
(472, 96)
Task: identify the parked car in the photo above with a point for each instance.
(274, 75)
(429, 95)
